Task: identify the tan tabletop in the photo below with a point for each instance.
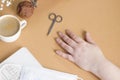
(99, 17)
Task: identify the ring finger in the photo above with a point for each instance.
(64, 45)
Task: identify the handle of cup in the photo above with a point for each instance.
(23, 23)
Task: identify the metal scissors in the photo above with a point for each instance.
(54, 18)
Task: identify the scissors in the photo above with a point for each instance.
(54, 18)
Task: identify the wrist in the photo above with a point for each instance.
(105, 70)
(97, 67)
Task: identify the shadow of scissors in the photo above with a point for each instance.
(54, 18)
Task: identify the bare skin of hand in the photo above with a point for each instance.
(84, 53)
(87, 55)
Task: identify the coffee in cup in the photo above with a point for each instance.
(10, 28)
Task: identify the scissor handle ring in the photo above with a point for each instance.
(59, 18)
(52, 16)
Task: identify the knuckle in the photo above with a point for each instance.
(63, 45)
(63, 36)
(82, 43)
(74, 36)
(70, 50)
(60, 42)
(68, 40)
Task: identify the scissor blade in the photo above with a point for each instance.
(48, 33)
(51, 27)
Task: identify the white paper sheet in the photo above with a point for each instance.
(33, 70)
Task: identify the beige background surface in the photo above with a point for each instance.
(99, 17)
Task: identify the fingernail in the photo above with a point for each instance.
(60, 33)
(57, 39)
(57, 52)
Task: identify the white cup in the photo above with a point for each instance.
(7, 27)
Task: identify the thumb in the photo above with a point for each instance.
(88, 38)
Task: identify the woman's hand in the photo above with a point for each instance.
(85, 53)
